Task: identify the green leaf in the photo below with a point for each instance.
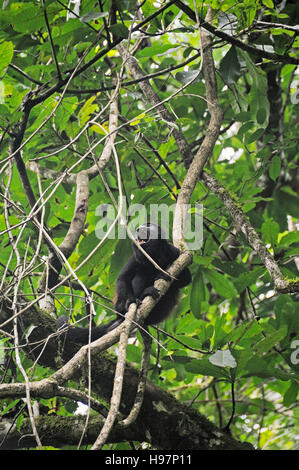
(271, 340)
(137, 119)
(6, 54)
(223, 359)
(190, 341)
(120, 31)
(255, 136)
(93, 16)
(13, 403)
(87, 110)
(187, 76)
(261, 115)
(29, 18)
(270, 231)
(275, 167)
(230, 68)
(268, 3)
(221, 284)
(205, 333)
(155, 50)
(219, 332)
(64, 112)
(242, 332)
(290, 395)
(257, 366)
(233, 268)
(243, 116)
(288, 201)
(204, 367)
(289, 239)
(2, 93)
(119, 258)
(133, 353)
(197, 293)
(258, 102)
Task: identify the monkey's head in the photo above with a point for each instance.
(152, 239)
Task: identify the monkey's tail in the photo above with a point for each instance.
(80, 335)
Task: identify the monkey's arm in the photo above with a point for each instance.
(184, 277)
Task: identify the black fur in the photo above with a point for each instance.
(136, 281)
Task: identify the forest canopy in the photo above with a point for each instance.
(110, 109)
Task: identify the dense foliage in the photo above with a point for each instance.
(59, 66)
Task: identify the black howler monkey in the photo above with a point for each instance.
(136, 281)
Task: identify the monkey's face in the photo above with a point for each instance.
(147, 232)
(152, 239)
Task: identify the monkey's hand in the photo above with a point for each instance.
(150, 291)
(132, 300)
(122, 305)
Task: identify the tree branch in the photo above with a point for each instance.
(146, 354)
(158, 425)
(242, 224)
(208, 143)
(118, 380)
(285, 59)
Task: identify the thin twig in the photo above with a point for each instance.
(51, 42)
(233, 407)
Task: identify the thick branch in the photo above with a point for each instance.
(153, 422)
(107, 151)
(146, 355)
(207, 145)
(118, 381)
(77, 225)
(47, 389)
(50, 174)
(59, 431)
(242, 224)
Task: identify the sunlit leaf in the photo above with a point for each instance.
(223, 359)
